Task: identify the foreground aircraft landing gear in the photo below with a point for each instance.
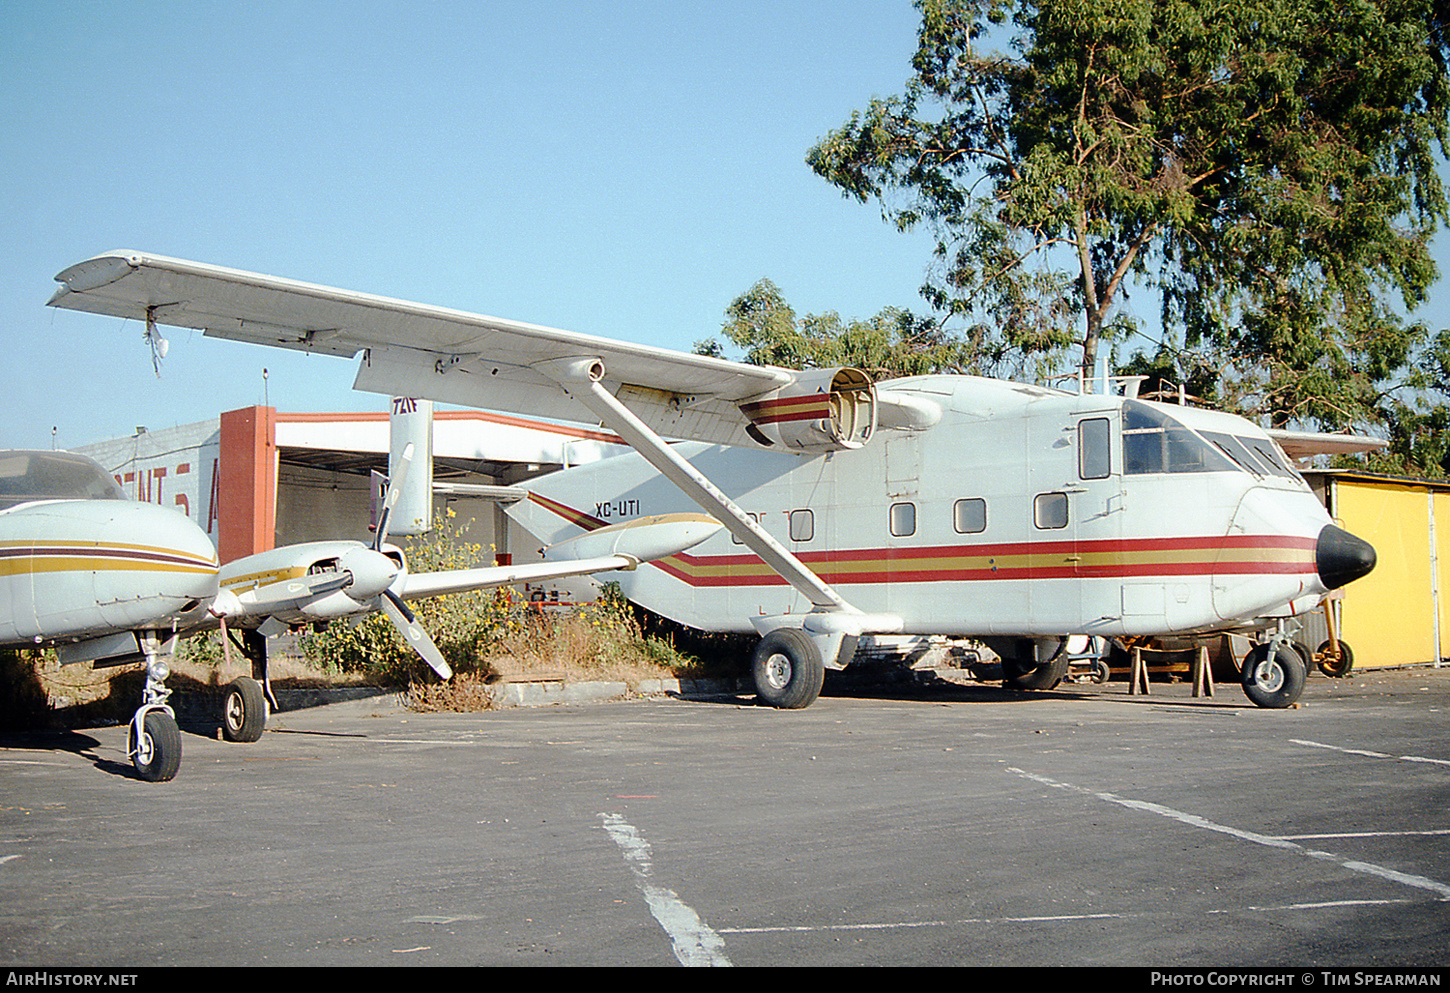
(788, 669)
(244, 712)
(1273, 675)
(154, 742)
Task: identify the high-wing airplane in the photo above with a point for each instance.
(110, 581)
(1016, 514)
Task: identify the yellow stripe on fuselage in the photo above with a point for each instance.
(29, 557)
(254, 580)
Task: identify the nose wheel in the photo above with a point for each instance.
(1273, 675)
(153, 743)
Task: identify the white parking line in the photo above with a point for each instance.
(1366, 834)
(891, 925)
(694, 943)
(1369, 754)
(1049, 919)
(1269, 841)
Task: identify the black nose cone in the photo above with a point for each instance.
(1341, 558)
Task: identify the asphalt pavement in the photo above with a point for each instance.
(935, 825)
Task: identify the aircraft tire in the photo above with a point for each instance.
(787, 669)
(1346, 661)
(244, 710)
(1020, 675)
(1273, 677)
(158, 755)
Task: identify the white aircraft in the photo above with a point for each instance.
(857, 511)
(109, 581)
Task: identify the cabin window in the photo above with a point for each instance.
(754, 517)
(1094, 448)
(903, 520)
(1049, 511)
(802, 525)
(1155, 442)
(970, 516)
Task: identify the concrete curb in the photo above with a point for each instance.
(531, 694)
(373, 701)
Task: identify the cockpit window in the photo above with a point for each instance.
(1258, 456)
(1155, 442)
(26, 476)
(1235, 449)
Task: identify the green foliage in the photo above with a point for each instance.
(1267, 166)
(463, 625)
(893, 343)
(604, 639)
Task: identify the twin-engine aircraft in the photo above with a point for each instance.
(856, 511)
(110, 581)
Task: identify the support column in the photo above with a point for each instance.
(247, 485)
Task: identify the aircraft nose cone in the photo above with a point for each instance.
(1341, 558)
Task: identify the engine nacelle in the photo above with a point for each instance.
(824, 410)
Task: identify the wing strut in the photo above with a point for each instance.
(581, 377)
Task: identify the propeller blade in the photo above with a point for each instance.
(395, 490)
(413, 633)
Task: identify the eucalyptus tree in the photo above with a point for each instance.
(1267, 167)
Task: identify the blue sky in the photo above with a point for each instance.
(624, 169)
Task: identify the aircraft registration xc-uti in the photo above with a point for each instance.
(935, 505)
(110, 581)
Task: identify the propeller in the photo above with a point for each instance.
(389, 602)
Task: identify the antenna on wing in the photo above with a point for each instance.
(158, 344)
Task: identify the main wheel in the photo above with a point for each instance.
(1273, 676)
(1327, 664)
(157, 755)
(787, 668)
(244, 712)
(1019, 673)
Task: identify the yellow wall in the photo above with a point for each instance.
(1388, 616)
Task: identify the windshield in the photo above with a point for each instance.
(1155, 442)
(27, 476)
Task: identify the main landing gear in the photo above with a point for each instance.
(249, 698)
(788, 669)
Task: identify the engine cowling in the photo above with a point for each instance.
(824, 410)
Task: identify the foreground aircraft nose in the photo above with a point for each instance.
(1341, 558)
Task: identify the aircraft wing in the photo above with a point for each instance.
(1304, 445)
(616, 546)
(412, 349)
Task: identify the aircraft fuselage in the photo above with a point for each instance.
(1024, 512)
(71, 569)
